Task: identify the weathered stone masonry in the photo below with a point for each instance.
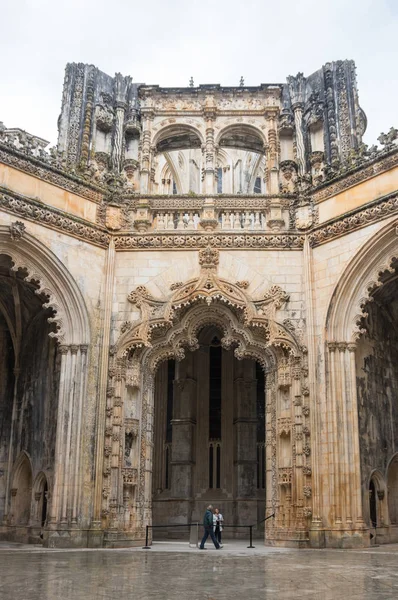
(198, 304)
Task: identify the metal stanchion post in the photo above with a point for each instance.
(146, 547)
(251, 537)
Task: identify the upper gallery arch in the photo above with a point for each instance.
(177, 137)
(242, 136)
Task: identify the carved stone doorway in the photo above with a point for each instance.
(200, 314)
(209, 436)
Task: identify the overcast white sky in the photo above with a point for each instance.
(215, 41)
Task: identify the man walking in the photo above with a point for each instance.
(208, 526)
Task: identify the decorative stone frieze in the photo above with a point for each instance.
(197, 241)
(375, 211)
(51, 217)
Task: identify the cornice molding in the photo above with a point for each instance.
(356, 175)
(374, 211)
(55, 219)
(195, 241)
(37, 168)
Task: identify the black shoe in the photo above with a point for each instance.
(200, 548)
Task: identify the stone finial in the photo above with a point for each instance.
(241, 82)
(17, 229)
(191, 83)
(296, 88)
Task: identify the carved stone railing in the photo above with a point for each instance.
(247, 213)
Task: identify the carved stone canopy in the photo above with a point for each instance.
(207, 289)
(170, 323)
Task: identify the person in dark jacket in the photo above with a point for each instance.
(208, 526)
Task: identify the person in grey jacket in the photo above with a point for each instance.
(208, 527)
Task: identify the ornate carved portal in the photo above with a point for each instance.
(167, 329)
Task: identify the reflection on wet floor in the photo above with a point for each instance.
(170, 574)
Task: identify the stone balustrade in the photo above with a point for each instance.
(265, 213)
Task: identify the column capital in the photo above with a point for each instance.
(63, 349)
(74, 348)
(351, 346)
(297, 106)
(342, 346)
(332, 346)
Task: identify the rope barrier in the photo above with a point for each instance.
(250, 527)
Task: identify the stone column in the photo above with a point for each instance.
(346, 454)
(297, 87)
(183, 424)
(209, 149)
(160, 424)
(65, 503)
(102, 388)
(300, 148)
(146, 153)
(245, 423)
(122, 85)
(273, 163)
(77, 426)
(356, 459)
(333, 448)
(314, 406)
(68, 421)
(57, 491)
(270, 450)
(118, 141)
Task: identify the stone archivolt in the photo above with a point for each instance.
(257, 316)
(170, 326)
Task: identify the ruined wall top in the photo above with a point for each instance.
(114, 125)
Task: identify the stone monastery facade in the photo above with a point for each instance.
(199, 303)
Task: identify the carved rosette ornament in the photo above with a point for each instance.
(17, 229)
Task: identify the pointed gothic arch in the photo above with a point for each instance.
(359, 279)
(349, 386)
(21, 490)
(55, 281)
(56, 289)
(168, 328)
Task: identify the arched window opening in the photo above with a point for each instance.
(257, 186)
(219, 180)
(44, 504)
(21, 492)
(372, 504)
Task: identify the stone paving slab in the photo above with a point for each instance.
(173, 571)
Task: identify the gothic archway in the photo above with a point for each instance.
(361, 340)
(45, 330)
(21, 491)
(169, 329)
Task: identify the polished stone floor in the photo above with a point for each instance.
(175, 572)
